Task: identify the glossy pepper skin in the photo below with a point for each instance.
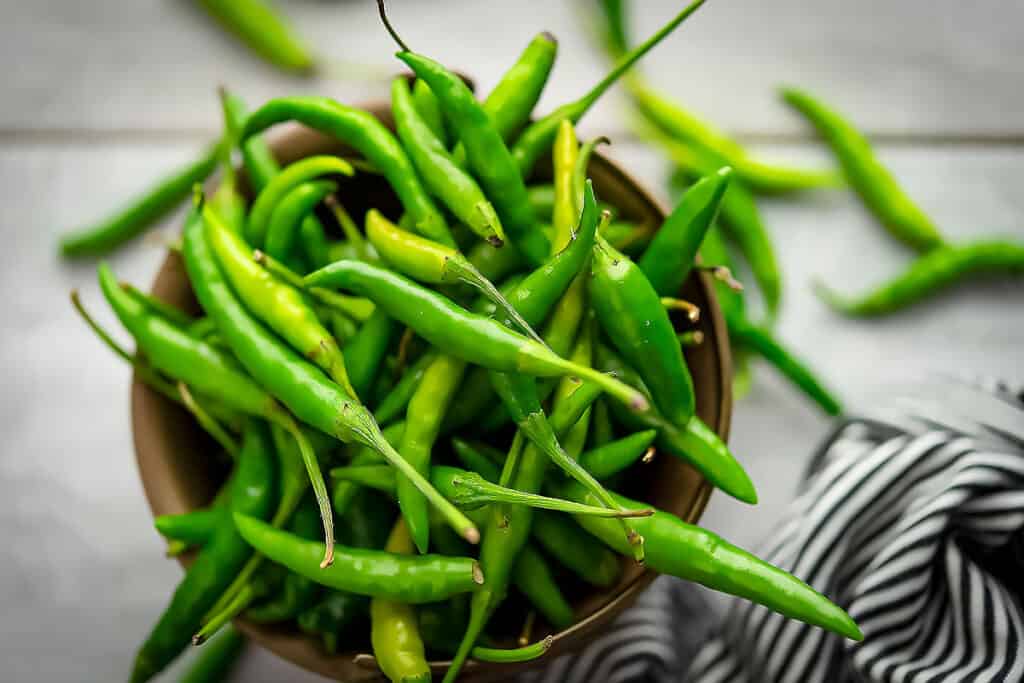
(288, 220)
(394, 630)
(446, 180)
(365, 351)
(695, 554)
(375, 142)
(488, 156)
(252, 493)
(636, 322)
(423, 578)
(934, 271)
(875, 185)
(299, 384)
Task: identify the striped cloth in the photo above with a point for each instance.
(916, 527)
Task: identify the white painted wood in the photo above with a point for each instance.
(938, 68)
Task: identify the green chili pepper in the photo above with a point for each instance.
(368, 135)
(472, 337)
(533, 578)
(394, 631)
(495, 263)
(935, 270)
(290, 214)
(365, 351)
(873, 182)
(300, 385)
(140, 212)
(278, 305)
(669, 257)
(430, 111)
(252, 491)
(218, 658)
(695, 554)
(455, 188)
(350, 306)
(427, 407)
(172, 313)
(264, 30)
(692, 441)
(394, 403)
(423, 578)
(538, 137)
(488, 156)
(260, 164)
(565, 212)
(281, 185)
(610, 458)
(473, 458)
(193, 528)
(433, 263)
(631, 313)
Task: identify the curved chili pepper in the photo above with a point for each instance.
(430, 111)
(264, 30)
(300, 385)
(610, 458)
(538, 137)
(267, 201)
(693, 441)
(288, 218)
(631, 313)
(695, 554)
(875, 185)
(350, 306)
(252, 494)
(142, 211)
(375, 142)
(670, 256)
(433, 263)
(935, 270)
(217, 659)
(280, 306)
(488, 156)
(470, 336)
(452, 186)
(423, 578)
(193, 528)
(394, 630)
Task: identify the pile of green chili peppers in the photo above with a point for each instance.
(477, 370)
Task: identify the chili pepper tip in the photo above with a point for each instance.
(328, 558)
(496, 241)
(198, 640)
(478, 574)
(472, 535)
(648, 455)
(549, 36)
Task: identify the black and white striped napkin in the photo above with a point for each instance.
(915, 526)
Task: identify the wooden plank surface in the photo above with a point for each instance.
(927, 68)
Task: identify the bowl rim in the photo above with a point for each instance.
(304, 654)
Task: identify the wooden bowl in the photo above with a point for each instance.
(178, 475)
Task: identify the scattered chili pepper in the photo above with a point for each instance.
(264, 30)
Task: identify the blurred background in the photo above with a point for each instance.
(100, 98)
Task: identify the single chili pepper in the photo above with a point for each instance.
(509, 526)
(142, 211)
(693, 441)
(631, 313)
(685, 127)
(761, 340)
(472, 337)
(488, 156)
(394, 631)
(218, 658)
(670, 256)
(289, 215)
(611, 458)
(495, 263)
(260, 163)
(695, 554)
(430, 111)
(393, 404)
(933, 271)
(279, 305)
(427, 407)
(368, 135)
(603, 432)
(740, 217)
(565, 214)
(194, 528)
(298, 173)
(452, 186)
(252, 493)
(227, 200)
(472, 457)
(433, 263)
(532, 577)
(352, 307)
(365, 351)
(538, 137)
(301, 386)
(263, 30)
(876, 186)
(423, 578)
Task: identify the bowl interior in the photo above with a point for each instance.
(178, 475)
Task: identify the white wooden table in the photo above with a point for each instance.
(97, 98)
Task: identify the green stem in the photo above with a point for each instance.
(207, 422)
(236, 606)
(355, 307)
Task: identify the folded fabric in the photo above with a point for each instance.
(915, 527)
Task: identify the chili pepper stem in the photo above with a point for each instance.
(391, 30)
(207, 422)
(648, 455)
(673, 304)
(345, 222)
(176, 548)
(497, 237)
(724, 274)
(633, 399)
(467, 273)
(524, 635)
(477, 486)
(355, 307)
(235, 607)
